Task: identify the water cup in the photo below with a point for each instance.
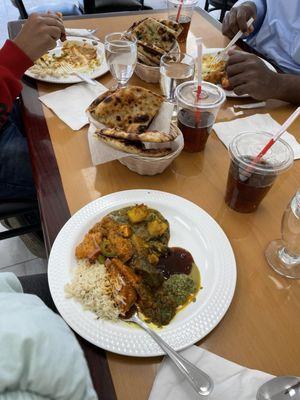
(248, 184)
(175, 68)
(196, 119)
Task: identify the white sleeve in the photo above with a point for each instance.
(40, 356)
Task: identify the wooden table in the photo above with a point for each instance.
(261, 328)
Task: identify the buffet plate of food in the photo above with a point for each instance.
(215, 72)
(141, 251)
(80, 54)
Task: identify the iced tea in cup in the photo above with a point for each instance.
(184, 12)
(196, 119)
(247, 183)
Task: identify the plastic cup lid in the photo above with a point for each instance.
(247, 145)
(211, 96)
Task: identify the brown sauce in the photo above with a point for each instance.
(176, 261)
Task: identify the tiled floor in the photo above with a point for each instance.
(14, 255)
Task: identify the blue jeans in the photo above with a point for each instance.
(16, 180)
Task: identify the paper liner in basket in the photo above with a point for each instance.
(102, 153)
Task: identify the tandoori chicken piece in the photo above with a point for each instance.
(127, 273)
(124, 294)
(90, 247)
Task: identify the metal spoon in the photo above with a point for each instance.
(280, 388)
(199, 380)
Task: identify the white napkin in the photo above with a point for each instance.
(102, 153)
(231, 381)
(79, 32)
(70, 104)
(226, 131)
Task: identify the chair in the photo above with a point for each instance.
(65, 7)
(223, 5)
(104, 6)
(20, 210)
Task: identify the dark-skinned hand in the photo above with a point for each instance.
(248, 74)
(237, 19)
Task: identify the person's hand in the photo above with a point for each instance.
(248, 74)
(39, 34)
(237, 19)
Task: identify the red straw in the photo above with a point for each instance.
(179, 10)
(281, 130)
(199, 77)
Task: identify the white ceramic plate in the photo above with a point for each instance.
(191, 228)
(230, 93)
(101, 70)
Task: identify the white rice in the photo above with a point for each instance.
(92, 288)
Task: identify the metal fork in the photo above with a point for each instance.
(220, 56)
(199, 380)
(71, 71)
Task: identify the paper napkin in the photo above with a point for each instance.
(231, 381)
(70, 104)
(79, 32)
(226, 131)
(102, 153)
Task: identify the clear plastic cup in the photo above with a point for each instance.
(196, 119)
(185, 17)
(248, 184)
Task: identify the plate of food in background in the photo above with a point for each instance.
(215, 72)
(83, 55)
(142, 250)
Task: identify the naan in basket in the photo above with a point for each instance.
(149, 136)
(133, 147)
(130, 109)
(175, 26)
(154, 33)
(148, 56)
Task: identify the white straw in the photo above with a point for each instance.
(287, 123)
(199, 44)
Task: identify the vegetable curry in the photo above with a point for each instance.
(132, 242)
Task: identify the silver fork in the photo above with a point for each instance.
(220, 56)
(199, 380)
(71, 71)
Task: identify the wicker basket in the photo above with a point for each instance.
(154, 165)
(151, 74)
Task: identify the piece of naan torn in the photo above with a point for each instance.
(175, 26)
(133, 147)
(149, 136)
(130, 109)
(150, 31)
(152, 55)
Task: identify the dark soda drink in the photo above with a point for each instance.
(195, 127)
(246, 188)
(185, 22)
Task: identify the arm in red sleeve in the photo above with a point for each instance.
(13, 64)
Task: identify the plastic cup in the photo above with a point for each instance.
(248, 184)
(186, 13)
(196, 119)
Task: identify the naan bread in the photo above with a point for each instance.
(151, 55)
(132, 147)
(152, 32)
(175, 26)
(145, 60)
(149, 136)
(130, 109)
